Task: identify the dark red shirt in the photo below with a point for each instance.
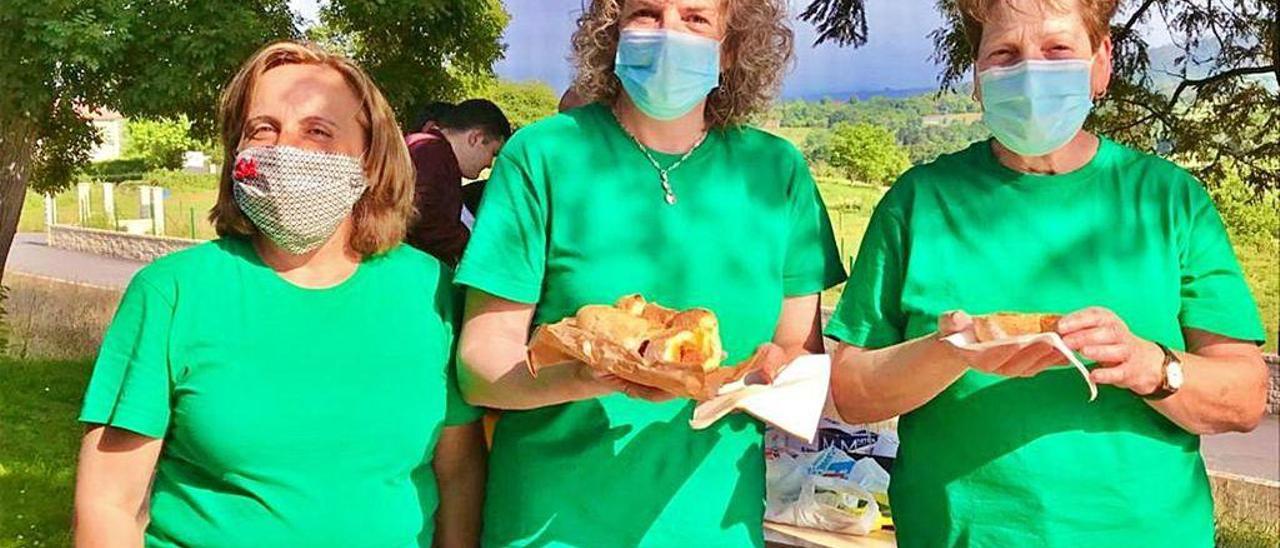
(437, 196)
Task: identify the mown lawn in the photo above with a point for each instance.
(185, 208)
(39, 401)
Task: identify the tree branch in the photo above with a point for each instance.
(1233, 73)
(1149, 117)
(1275, 47)
(1163, 116)
(1136, 17)
(841, 21)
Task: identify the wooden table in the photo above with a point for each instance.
(777, 534)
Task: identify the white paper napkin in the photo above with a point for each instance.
(793, 403)
(967, 342)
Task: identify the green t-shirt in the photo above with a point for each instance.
(574, 215)
(995, 461)
(290, 416)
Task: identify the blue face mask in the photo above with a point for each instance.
(667, 73)
(1035, 107)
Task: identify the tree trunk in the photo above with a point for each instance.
(16, 150)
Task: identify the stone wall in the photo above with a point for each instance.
(1250, 501)
(1273, 393)
(116, 244)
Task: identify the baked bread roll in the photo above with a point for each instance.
(659, 316)
(692, 340)
(679, 352)
(1005, 325)
(616, 325)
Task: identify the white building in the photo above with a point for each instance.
(110, 126)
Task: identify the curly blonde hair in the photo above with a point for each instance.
(758, 45)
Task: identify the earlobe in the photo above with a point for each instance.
(1102, 69)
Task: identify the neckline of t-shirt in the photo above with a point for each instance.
(250, 253)
(1101, 158)
(664, 158)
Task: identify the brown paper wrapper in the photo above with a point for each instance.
(564, 342)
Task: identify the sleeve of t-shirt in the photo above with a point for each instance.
(870, 314)
(813, 261)
(129, 387)
(1215, 296)
(508, 250)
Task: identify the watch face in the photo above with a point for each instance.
(1173, 375)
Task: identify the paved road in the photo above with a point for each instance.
(1256, 454)
(30, 255)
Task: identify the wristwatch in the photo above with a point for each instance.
(1173, 378)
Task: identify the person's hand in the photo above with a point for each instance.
(1125, 360)
(1007, 361)
(611, 383)
(771, 359)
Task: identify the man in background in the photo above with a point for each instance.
(448, 144)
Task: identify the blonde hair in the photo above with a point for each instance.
(1096, 14)
(382, 214)
(758, 44)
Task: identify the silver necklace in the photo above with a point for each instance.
(664, 175)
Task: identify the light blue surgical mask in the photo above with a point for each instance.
(1036, 106)
(667, 73)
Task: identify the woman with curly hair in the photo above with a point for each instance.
(657, 186)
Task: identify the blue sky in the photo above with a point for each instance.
(895, 58)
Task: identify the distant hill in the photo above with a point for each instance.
(1166, 66)
(1167, 62)
(842, 96)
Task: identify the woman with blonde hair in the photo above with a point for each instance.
(287, 384)
(657, 186)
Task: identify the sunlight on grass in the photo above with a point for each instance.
(183, 206)
(37, 459)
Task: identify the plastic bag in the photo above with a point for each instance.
(838, 483)
(814, 490)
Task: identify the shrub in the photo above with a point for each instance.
(181, 180)
(160, 143)
(867, 153)
(116, 171)
(523, 102)
(1252, 217)
(817, 146)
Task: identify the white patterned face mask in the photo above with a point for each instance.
(296, 197)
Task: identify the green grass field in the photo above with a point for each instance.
(39, 401)
(796, 135)
(182, 206)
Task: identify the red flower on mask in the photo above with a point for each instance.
(246, 168)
